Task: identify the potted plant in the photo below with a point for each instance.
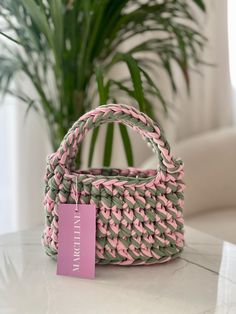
(68, 48)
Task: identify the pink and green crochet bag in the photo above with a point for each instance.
(139, 217)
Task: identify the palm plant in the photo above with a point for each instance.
(68, 48)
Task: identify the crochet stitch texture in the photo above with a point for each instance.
(139, 216)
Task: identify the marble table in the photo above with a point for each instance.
(203, 280)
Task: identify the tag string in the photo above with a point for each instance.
(76, 194)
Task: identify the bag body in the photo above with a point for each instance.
(139, 218)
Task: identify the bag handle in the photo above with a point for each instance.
(127, 115)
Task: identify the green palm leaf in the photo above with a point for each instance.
(69, 48)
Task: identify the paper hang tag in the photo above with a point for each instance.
(76, 240)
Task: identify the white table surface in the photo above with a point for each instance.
(203, 280)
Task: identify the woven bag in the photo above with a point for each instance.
(139, 216)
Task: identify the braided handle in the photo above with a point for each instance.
(127, 115)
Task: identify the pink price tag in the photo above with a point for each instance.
(76, 240)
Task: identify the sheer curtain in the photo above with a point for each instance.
(232, 50)
(8, 206)
(24, 148)
(25, 145)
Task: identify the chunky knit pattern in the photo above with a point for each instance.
(139, 213)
